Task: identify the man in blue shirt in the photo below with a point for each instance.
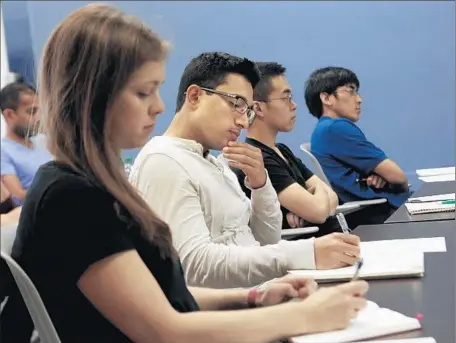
(356, 168)
(21, 152)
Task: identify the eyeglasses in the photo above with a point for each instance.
(288, 98)
(351, 91)
(240, 105)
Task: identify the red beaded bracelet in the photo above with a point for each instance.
(251, 298)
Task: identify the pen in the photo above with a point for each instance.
(343, 223)
(361, 180)
(442, 202)
(359, 264)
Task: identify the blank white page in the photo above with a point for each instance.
(379, 263)
(432, 244)
(371, 322)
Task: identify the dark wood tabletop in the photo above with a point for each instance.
(433, 295)
(430, 188)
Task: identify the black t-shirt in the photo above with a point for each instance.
(66, 225)
(281, 173)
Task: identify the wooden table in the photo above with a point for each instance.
(432, 188)
(432, 295)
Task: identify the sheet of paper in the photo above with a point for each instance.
(433, 244)
(438, 178)
(378, 264)
(371, 322)
(405, 340)
(436, 171)
(439, 197)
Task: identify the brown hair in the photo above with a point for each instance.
(87, 61)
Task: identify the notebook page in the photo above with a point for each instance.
(371, 322)
(378, 263)
(433, 244)
(405, 340)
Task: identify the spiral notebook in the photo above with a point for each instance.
(431, 204)
(373, 321)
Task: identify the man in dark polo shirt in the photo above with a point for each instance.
(305, 199)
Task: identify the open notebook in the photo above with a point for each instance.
(380, 262)
(373, 321)
(431, 204)
(405, 340)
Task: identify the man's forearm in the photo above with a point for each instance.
(210, 299)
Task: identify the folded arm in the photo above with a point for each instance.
(352, 147)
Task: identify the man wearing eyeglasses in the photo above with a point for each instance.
(356, 168)
(223, 238)
(304, 198)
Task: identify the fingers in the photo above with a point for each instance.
(347, 238)
(294, 220)
(291, 219)
(354, 288)
(348, 259)
(245, 149)
(375, 181)
(357, 304)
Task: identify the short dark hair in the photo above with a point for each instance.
(210, 70)
(326, 80)
(268, 70)
(10, 95)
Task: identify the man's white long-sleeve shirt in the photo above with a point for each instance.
(223, 238)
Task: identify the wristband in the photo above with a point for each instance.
(251, 298)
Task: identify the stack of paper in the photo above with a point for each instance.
(380, 262)
(436, 171)
(371, 322)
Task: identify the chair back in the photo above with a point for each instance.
(32, 299)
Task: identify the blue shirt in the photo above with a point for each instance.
(346, 155)
(17, 159)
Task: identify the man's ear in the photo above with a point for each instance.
(326, 99)
(193, 94)
(8, 113)
(258, 107)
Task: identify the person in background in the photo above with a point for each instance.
(8, 210)
(304, 198)
(356, 168)
(101, 259)
(20, 154)
(223, 238)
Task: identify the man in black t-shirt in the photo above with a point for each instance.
(305, 199)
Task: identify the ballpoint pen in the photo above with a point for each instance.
(359, 264)
(343, 223)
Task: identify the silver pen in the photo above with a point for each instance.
(343, 223)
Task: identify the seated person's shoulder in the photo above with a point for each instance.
(58, 184)
(342, 125)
